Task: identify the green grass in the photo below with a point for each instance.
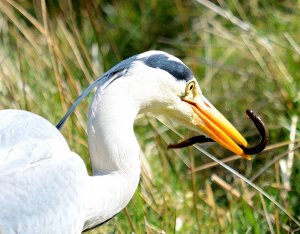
(50, 52)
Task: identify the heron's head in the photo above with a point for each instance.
(162, 84)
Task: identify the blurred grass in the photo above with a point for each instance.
(246, 54)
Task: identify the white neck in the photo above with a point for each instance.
(114, 154)
(113, 146)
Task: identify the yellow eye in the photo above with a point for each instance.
(190, 87)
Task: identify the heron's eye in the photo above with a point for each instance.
(190, 88)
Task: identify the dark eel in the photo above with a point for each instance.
(259, 124)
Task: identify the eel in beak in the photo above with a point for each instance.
(215, 125)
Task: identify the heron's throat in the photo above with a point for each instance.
(114, 155)
(113, 145)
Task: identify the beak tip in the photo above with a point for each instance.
(248, 157)
(243, 142)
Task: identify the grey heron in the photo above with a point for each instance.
(45, 187)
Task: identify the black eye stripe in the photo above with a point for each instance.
(176, 69)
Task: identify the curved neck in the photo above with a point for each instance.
(112, 142)
(114, 153)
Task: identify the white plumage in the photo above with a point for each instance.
(45, 187)
(40, 177)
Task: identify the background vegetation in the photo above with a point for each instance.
(246, 54)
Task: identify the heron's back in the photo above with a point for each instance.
(42, 181)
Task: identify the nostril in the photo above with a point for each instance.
(207, 104)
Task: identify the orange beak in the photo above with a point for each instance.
(215, 125)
